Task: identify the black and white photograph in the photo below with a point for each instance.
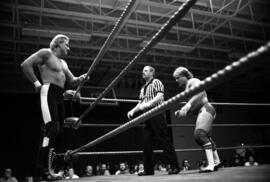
(135, 90)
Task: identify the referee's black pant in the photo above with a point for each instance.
(156, 130)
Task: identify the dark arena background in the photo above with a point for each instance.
(211, 35)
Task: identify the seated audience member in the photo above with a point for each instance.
(107, 172)
(140, 168)
(241, 151)
(132, 168)
(244, 152)
(8, 176)
(168, 167)
(160, 167)
(71, 174)
(202, 164)
(251, 162)
(88, 171)
(122, 169)
(103, 170)
(28, 179)
(60, 174)
(56, 175)
(237, 161)
(185, 165)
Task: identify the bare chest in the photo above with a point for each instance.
(54, 64)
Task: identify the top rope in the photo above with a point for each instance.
(117, 27)
(237, 67)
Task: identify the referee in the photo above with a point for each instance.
(151, 95)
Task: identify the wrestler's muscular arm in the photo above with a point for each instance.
(193, 100)
(71, 79)
(33, 60)
(198, 97)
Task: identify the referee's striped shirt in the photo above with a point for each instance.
(150, 90)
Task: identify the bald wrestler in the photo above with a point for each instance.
(206, 114)
(55, 74)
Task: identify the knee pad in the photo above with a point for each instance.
(52, 129)
(201, 138)
(213, 144)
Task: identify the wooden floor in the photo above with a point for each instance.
(233, 174)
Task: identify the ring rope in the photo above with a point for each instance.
(222, 125)
(160, 151)
(177, 125)
(117, 27)
(83, 99)
(181, 12)
(237, 67)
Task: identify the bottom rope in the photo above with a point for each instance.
(160, 151)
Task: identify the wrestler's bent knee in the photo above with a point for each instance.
(201, 138)
(213, 144)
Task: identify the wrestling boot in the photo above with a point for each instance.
(210, 159)
(49, 174)
(216, 160)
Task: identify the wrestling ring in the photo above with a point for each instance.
(258, 173)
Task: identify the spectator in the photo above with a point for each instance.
(201, 163)
(237, 160)
(185, 165)
(132, 168)
(8, 176)
(107, 172)
(198, 164)
(241, 150)
(88, 171)
(160, 167)
(127, 166)
(60, 174)
(56, 175)
(109, 168)
(251, 162)
(122, 169)
(140, 168)
(168, 167)
(71, 174)
(103, 170)
(244, 152)
(98, 167)
(29, 179)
